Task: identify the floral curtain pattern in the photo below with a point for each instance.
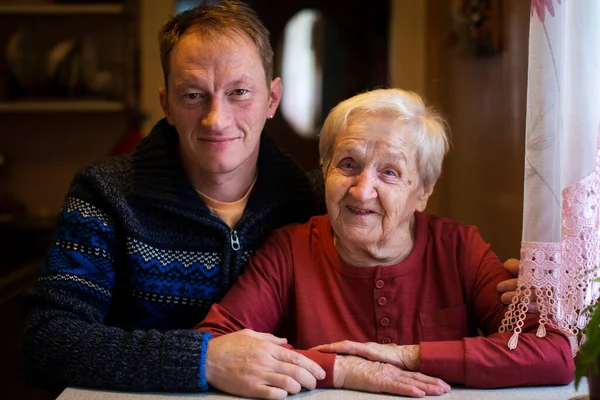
(561, 215)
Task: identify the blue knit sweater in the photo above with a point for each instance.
(137, 260)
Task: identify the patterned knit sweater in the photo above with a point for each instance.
(137, 260)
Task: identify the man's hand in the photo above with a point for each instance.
(252, 364)
(405, 357)
(356, 373)
(508, 288)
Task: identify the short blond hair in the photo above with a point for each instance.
(429, 129)
(215, 20)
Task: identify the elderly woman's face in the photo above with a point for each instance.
(372, 186)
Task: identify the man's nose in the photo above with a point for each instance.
(218, 115)
(363, 188)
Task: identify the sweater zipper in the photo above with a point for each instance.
(235, 241)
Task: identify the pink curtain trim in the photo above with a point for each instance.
(562, 275)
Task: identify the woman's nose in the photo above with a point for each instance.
(218, 115)
(363, 188)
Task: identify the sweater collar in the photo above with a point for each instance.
(159, 177)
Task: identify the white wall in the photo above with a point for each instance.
(407, 44)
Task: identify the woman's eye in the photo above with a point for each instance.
(347, 164)
(390, 172)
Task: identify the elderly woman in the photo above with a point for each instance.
(380, 277)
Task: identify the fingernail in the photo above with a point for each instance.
(322, 375)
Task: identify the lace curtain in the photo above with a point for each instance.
(561, 213)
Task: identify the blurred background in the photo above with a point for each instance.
(79, 82)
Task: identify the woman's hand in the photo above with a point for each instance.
(508, 288)
(356, 373)
(405, 357)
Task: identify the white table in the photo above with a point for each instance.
(530, 393)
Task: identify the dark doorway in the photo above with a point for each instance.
(352, 52)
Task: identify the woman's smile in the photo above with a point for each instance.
(359, 211)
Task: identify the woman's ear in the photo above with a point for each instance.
(424, 197)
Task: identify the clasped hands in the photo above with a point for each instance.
(251, 364)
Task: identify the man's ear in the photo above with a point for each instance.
(424, 197)
(164, 103)
(274, 96)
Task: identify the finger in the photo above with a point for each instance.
(508, 285)
(300, 375)
(370, 350)
(345, 346)
(402, 389)
(385, 378)
(264, 336)
(428, 389)
(257, 387)
(507, 297)
(533, 296)
(428, 380)
(350, 347)
(512, 265)
(398, 387)
(283, 382)
(532, 308)
(265, 392)
(292, 357)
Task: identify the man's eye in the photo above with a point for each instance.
(192, 96)
(239, 92)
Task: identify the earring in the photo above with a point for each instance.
(271, 116)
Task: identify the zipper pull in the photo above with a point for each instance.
(235, 241)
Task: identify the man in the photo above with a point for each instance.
(145, 243)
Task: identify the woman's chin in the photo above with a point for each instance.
(356, 241)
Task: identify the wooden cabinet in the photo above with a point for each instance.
(68, 57)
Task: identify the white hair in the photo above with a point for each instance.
(428, 129)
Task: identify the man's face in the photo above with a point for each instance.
(218, 100)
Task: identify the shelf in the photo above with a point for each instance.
(68, 106)
(58, 9)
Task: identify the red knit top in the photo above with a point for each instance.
(296, 286)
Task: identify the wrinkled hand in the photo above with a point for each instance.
(356, 373)
(252, 364)
(508, 288)
(405, 357)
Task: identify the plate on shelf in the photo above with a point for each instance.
(23, 62)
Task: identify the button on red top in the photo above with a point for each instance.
(386, 340)
(381, 301)
(379, 284)
(385, 321)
